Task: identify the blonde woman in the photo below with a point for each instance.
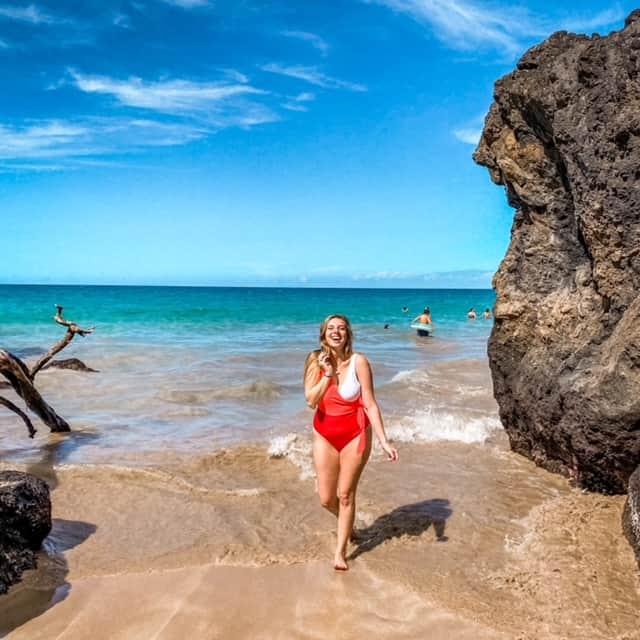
(338, 383)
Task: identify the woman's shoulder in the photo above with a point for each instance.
(359, 358)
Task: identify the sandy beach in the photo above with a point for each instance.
(458, 547)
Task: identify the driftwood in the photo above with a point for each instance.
(72, 331)
(21, 378)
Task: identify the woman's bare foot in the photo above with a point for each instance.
(339, 563)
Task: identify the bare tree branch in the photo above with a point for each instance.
(21, 413)
(72, 330)
(17, 373)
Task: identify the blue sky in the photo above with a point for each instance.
(211, 142)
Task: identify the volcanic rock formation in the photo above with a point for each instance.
(25, 517)
(563, 137)
(631, 516)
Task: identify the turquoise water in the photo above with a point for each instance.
(221, 366)
(173, 311)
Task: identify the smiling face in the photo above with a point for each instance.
(336, 335)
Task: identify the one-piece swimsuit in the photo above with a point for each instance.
(340, 416)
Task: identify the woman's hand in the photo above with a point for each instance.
(325, 364)
(392, 452)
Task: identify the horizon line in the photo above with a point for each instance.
(236, 286)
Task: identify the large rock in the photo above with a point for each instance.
(563, 136)
(25, 517)
(631, 515)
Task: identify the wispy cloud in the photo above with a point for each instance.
(233, 74)
(314, 40)
(168, 96)
(298, 102)
(4, 45)
(465, 25)
(312, 76)
(468, 135)
(44, 139)
(121, 20)
(462, 25)
(59, 139)
(31, 14)
(187, 4)
(601, 20)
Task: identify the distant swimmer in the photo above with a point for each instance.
(338, 383)
(405, 309)
(472, 314)
(487, 314)
(386, 326)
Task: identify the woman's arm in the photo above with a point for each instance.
(363, 369)
(314, 387)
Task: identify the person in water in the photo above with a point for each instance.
(487, 314)
(472, 314)
(424, 317)
(338, 383)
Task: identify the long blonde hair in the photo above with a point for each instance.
(312, 358)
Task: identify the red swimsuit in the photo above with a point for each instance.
(339, 421)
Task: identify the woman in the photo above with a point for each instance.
(339, 385)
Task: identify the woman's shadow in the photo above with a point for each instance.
(46, 586)
(411, 519)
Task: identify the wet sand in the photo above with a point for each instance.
(456, 541)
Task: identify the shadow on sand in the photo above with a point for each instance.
(45, 586)
(411, 519)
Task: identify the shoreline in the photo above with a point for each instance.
(471, 540)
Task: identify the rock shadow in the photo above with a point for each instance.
(44, 587)
(411, 519)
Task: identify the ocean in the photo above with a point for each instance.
(184, 496)
(217, 366)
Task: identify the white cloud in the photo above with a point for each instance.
(462, 25)
(465, 25)
(314, 40)
(59, 139)
(169, 96)
(468, 135)
(122, 20)
(236, 75)
(297, 103)
(31, 14)
(599, 21)
(312, 76)
(294, 106)
(46, 139)
(384, 275)
(187, 4)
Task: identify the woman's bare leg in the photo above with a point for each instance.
(327, 462)
(351, 465)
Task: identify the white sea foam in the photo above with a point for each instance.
(431, 426)
(415, 376)
(296, 449)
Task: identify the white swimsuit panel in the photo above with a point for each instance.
(349, 388)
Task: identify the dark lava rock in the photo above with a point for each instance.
(25, 521)
(631, 515)
(563, 137)
(70, 363)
